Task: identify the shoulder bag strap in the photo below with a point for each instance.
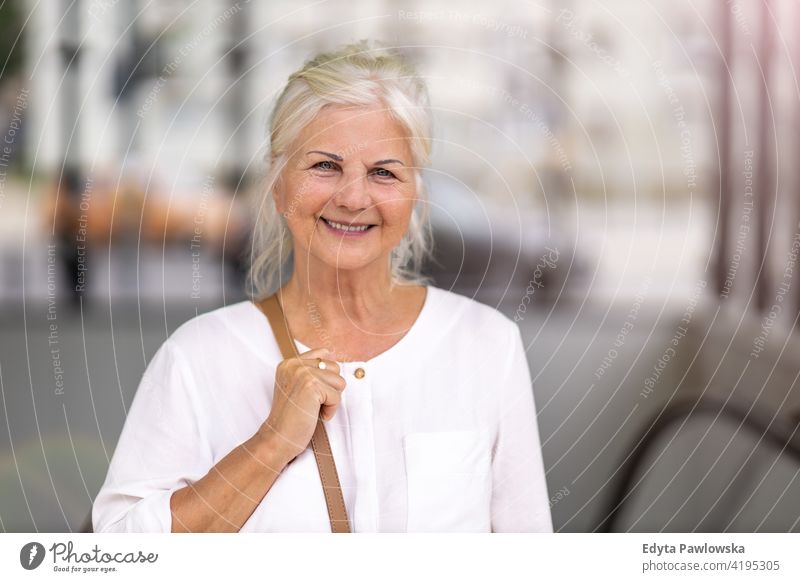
(337, 511)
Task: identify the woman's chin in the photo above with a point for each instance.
(344, 261)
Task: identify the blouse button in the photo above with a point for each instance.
(359, 373)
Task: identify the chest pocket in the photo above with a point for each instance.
(449, 481)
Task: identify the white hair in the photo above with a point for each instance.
(360, 74)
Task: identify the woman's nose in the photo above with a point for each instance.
(353, 194)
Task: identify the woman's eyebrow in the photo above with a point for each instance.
(339, 158)
(332, 156)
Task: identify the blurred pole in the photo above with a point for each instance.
(555, 181)
(130, 73)
(237, 108)
(136, 61)
(765, 160)
(70, 49)
(724, 144)
(556, 76)
(238, 55)
(70, 181)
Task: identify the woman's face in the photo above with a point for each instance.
(348, 188)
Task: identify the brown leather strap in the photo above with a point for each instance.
(337, 512)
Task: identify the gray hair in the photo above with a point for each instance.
(360, 74)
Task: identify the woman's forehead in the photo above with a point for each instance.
(367, 121)
(355, 134)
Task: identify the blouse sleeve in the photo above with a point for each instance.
(520, 502)
(160, 450)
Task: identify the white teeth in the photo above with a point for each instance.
(346, 228)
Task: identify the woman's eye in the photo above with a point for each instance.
(383, 173)
(325, 165)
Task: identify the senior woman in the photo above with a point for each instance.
(425, 395)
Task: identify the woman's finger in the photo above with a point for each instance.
(329, 365)
(313, 357)
(329, 377)
(331, 404)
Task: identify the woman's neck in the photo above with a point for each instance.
(337, 295)
(356, 315)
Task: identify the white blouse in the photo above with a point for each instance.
(439, 434)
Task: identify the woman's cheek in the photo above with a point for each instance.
(400, 210)
(302, 224)
(396, 221)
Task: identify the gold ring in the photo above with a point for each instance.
(321, 364)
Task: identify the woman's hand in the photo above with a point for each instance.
(303, 393)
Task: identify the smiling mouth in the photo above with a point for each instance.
(347, 228)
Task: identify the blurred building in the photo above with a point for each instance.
(617, 177)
